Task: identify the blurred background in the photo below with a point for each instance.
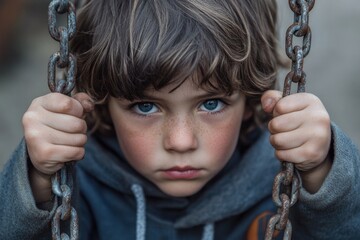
(332, 67)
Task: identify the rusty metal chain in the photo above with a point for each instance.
(286, 183)
(63, 60)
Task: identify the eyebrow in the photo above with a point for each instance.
(209, 94)
(206, 94)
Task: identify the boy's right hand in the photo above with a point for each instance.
(55, 133)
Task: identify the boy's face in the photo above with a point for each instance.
(179, 140)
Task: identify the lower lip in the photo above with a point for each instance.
(185, 174)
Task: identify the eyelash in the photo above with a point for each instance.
(132, 106)
(225, 104)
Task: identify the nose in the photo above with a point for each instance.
(180, 135)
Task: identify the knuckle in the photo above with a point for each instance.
(65, 105)
(313, 97)
(85, 127)
(31, 135)
(280, 107)
(311, 152)
(79, 154)
(81, 139)
(272, 141)
(55, 96)
(270, 127)
(36, 101)
(324, 118)
(275, 141)
(40, 155)
(80, 126)
(274, 125)
(28, 118)
(46, 152)
(319, 136)
(280, 155)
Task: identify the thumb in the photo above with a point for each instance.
(269, 100)
(85, 100)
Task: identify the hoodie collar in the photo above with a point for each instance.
(243, 182)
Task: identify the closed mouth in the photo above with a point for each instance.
(186, 172)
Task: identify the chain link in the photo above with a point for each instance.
(286, 183)
(62, 181)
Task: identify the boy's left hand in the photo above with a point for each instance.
(300, 133)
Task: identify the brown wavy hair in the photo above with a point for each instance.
(126, 46)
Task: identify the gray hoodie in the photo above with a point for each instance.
(115, 202)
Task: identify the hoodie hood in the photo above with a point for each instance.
(242, 183)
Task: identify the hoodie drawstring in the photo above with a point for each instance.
(208, 232)
(140, 211)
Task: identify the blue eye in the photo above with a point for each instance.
(212, 105)
(145, 108)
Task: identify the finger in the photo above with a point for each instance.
(293, 155)
(85, 100)
(50, 153)
(67, 139)
(60, 103)
(269, 100)
(294, 102)
(285, 123)
(301, 161)
(309, 152)
(48, 168)
(288, 140)
(42, 135)
(58, 121)
(65, 123)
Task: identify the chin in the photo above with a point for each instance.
(181, 189)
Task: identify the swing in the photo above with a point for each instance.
(286, 183)
(62, 181)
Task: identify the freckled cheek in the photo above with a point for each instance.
(222, 142)
(137, 146)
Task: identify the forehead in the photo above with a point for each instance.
(191, 86)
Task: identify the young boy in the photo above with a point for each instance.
(176, 147)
